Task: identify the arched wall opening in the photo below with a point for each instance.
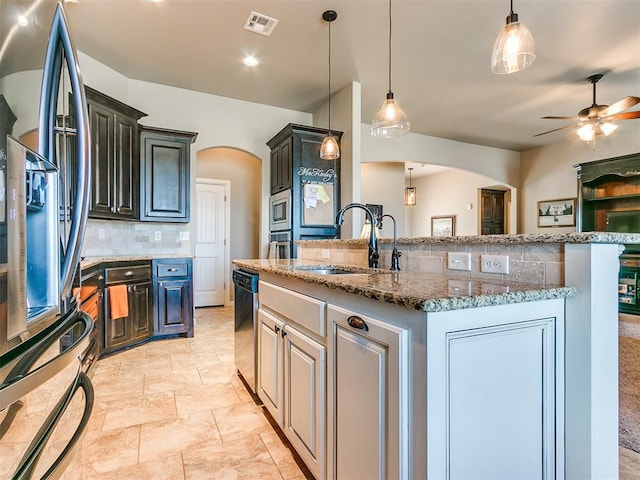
(448, 192)
(244, 172)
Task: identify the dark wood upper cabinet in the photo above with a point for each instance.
(165, 174)
(609, 195)
(282, 166)
(114, 157)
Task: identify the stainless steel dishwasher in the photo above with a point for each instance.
(245, 325)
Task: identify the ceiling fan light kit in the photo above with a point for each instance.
(329, 150)
(514, 48)
(597, 119)
(390, 121)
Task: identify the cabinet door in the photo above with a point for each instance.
(275, 166)
(102, 165)
(286, 164)
(141, 310)
(370, 397)
(165, 177)
(270, 372)
(127, 167)
(304, 398)
(174, 307)
(117, 331)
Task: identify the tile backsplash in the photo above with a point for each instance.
(541, 263)
(115, 238)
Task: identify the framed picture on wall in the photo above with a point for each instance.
(443, 226)
(557, 213)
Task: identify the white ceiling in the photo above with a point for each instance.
(440, 60)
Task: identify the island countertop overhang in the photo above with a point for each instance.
(427, 292)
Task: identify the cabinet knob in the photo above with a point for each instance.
(356, 322)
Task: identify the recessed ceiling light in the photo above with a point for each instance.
(23, 21)
(251, 61)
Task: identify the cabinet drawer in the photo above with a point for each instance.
(172, 269)
(303, 310)
(127, 274)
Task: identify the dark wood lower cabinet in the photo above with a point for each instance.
(173, 296)
(159, 298)
(121, 332)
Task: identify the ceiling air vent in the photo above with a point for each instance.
(260, 23)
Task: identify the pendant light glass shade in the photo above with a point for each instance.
(329, 150)
(514, 49)
(410, 193)
(390, 121)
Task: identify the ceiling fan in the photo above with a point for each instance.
(596, 119)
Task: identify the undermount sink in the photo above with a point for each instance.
(329, 271)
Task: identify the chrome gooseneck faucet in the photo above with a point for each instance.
(395, 254)
(373, 242)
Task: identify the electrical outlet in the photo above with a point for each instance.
(101, 234)
(326, 254)
(184, 236)
(494, 263)
(459, 261)
(158, 236)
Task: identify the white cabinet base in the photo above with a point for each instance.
(495, 401)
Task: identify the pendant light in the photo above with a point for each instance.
(410, 193)
(390, 121)
(329, 150)
(514, 49)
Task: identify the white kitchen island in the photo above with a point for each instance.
(426, 375)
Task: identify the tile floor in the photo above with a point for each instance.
(175, 410)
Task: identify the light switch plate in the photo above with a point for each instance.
(459, 261)
(184, 236)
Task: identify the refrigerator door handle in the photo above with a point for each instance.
(60, 41)
(34, 452)
(13, 390)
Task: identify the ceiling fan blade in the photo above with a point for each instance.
(554, 130)
(621, 105)
(552, 117)
(624, 116)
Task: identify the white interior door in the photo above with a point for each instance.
(209, 263)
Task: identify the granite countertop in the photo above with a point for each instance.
(87, 262)
(575, 237)
(415, 290)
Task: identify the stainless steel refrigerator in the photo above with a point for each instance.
(46, 396)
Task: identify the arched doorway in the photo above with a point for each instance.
(241, 172)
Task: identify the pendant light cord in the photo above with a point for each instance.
(329, 78)
(389, 46)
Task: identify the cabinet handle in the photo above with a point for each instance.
(172, 270)
(128, 273)
(277, 329)
(284, 334)
(356, 322)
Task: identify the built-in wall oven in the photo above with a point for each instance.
(629, 283)
(280, 211)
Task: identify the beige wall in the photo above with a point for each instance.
(547, 173)
(243, 171)
(383, 183)
(448, 193)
